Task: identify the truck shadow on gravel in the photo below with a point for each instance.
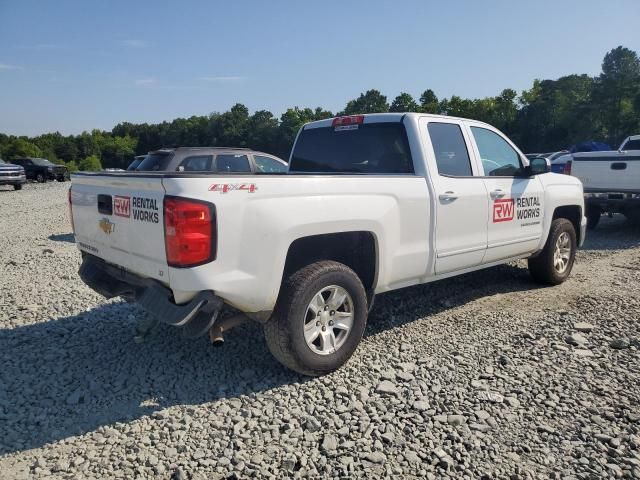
(63, 237)
(615, 233)
(69, 376)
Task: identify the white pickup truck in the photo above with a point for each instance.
(371, 203)
(611, 180)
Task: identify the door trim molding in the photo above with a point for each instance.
(518, 240)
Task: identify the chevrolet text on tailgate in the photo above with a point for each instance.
(371, 203)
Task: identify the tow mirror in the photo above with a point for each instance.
(538, 166)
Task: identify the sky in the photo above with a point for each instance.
(75, 65)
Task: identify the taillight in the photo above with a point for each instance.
(567, 168)
(348, 120)
(189, 232)
(73, 228)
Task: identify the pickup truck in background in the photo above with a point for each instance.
(41, 169)
(611, 180)
(371, 203)
(12, 175)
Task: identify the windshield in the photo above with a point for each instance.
(369, 148)
(158, 161)
(42, 162)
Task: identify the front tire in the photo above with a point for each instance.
(40, 178)
(319, 319)
(17, 186)
(553, 265)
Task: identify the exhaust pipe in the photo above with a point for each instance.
(216, 332)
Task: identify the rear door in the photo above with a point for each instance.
(516, 206)
(461, 196)
(119, 218)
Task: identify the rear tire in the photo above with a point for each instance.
(17, 186)
(308, 329)
(553, 265)
(40, 178)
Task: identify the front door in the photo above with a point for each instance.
(461, 198)
(516, 203)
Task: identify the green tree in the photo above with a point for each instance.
(429, 102)
(21, 147)
(403, 103)
(90, 164)
(371, 101)
(616, 91)
(72, 166)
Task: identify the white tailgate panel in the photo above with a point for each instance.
(133, 235)
(621, 173)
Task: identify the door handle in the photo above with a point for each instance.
(448, 196)
(497, 193)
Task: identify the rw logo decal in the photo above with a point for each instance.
(122, 206)
(503, 210)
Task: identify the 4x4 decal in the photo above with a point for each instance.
(228, 187)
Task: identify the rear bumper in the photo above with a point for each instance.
(613, 202)
(196, 317)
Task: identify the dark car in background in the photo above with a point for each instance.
(41, 169)
(212, 159)
(136, 161)
(11, 174)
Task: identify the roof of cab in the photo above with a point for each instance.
(385, 117)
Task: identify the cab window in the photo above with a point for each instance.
(499, 159)
(230, 163)
(269, 165)
(450, 149)
(197, 163)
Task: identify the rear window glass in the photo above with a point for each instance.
(232, 163)
(370, 148)
(450, 149)
(156, 162)
(632, 145)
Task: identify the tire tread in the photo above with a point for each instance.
(276, 329)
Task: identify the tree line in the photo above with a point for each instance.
(551, 115)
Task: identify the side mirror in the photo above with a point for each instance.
(538, 166)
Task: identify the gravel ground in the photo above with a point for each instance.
(481, 376)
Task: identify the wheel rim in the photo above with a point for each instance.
(562, 253)
(328, 320)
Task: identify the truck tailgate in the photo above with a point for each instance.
(120, 219)
(606, 173)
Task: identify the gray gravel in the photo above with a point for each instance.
(481, 376)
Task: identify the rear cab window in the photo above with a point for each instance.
(375, 148)
(631, 145)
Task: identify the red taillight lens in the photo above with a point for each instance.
(567, 168)
(189, 232)
(73, 228)
(348, 120)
